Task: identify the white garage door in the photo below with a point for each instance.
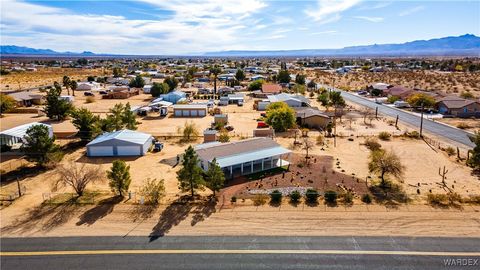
(128, 150)
(201, 113)
(185, 113)
(178, 113)
(194, 113)
(100, 151)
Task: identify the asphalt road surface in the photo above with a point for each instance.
(454, 134)
(188, 252)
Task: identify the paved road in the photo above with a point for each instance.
(189, 252)
(453, 134)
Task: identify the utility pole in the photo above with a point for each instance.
(19, 188)
(396, 122)
(421, 122)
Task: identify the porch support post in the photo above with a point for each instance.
(271, 162)
(251, 167)
(241, 168)
(263, 161)
(231, 171)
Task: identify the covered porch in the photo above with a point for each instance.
(257, 165)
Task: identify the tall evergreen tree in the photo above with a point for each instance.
(119, 176)
(128, 118)
(86, 123)
(57, 108)
(38, 145)
(214, 178)
(190, 175)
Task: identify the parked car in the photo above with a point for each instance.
(102, 92)
(240, 104)
(88, 93)
(157, 146)
(262, 124)
(362, 92)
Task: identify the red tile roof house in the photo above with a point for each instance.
(269, 89)
(398, 91)
(458, 107)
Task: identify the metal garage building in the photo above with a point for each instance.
(190, 110)
(17, 134)
(120, 143)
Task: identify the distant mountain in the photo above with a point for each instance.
(468, 45)
(12, 49)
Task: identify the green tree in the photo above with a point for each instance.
(86, 123)
(214, 177)
(283, 76)
(311, 84)
(255, 85)
(280, 116)
(66, 83)
(215, 71)
(119, 176)
(385, 163)
(172, 83)
(190, 175)
(55, 107)
(474, 159)
(114, 120)
(7, 103)
(420, 99)
(189, 131)
(117, 72)
(137, 82)
(38, 145)
(90, 78)
(240, 75)
(129, 118)
(159, 89)
(299, 89)
(300, 79)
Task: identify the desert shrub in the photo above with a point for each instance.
(295, 196)
(366, 198)
(259, 199)
(473, 199)
(413, 135)
(153, 191)
(437, 199)
(450, 151)
(463, 125)
(311, 196)
(392, 99)
(384, 136)
(330, 197)
(320, 139)
(275, 197)
(347, 197)
(372, 144)
(90, 99)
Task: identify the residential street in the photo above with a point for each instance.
(454, 134)
(187, 252)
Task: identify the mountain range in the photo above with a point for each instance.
(465, 45)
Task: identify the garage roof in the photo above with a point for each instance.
(126, 135)
(190, 106)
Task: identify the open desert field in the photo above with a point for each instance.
(45, 76)
(448, 83)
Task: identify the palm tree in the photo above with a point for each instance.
(215, 71)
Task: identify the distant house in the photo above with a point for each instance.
(291, 100)
(27, 99)
(378, 87)
(190, 110)
(174, 97)
(121, 92)
(147, 88)
(243, 157)
(269, 89)
(120, 143)
(458, 107)
(88, 86)
(398, 91)
(312, 118)
(17, 134)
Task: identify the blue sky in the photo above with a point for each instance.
(196, 26)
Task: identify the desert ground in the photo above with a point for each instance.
(44, 77)
(449, 83)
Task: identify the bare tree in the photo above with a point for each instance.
(77, 176)
(307, 145)
(367, 113)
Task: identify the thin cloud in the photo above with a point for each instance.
(329, 10)
(324, 33)
(411, 11)
(370, 19)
